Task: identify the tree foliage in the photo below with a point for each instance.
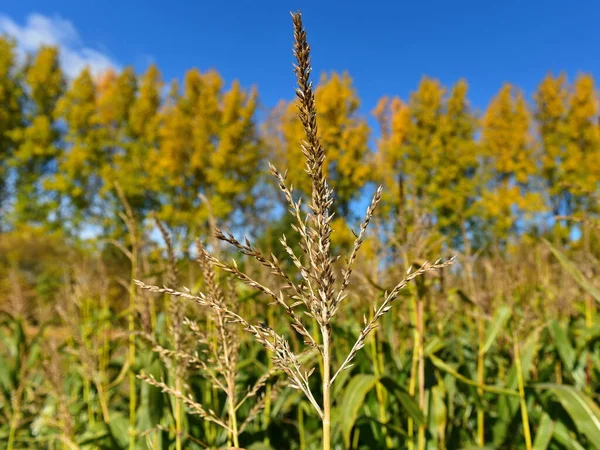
(194, 153)
(344, 133)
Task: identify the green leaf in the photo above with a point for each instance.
(563, 437)
(528, 351)
(388, 426)
(5, 377)
(151, 407)
(567, 353)
(340, 382)
(437, 362)
(508, 407)
(563, 345)
(119, 428)
(434, 345)
(409, 404)
(498, 323)
(260, 446)
(544, 433)
(575, 272)
(352, 400)
(93, 435)
(437, 413)
(582, 409)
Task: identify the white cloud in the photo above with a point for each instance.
(42, 30)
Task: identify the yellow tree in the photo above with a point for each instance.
(344, 134)
(455, 177)
(11, 114)
(233, 161)
(409, 153)
(393, 117)
(77, 178)
(507, 147)
(424, 143)
(581, 165)
(427, 157)
(37, 142)
(142, 143)
(551, 98)
(115, 97)
(208, 148)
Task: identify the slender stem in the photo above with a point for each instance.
(233, 420)
(588, 324)
(326, 389)
(103, 402)
(132, 378)
(210, 392)
(105, 356)
(480, 380)
(132, 394)
(167, 307)
(178, 430)
(421, 430)
(524, 414)
(88, 401)
(413, 372)
(87, 390)
(152, 315)
(267, 410)
(381, 394)
(301, 428)
(356, 439)
(13, 430)
(230, 373)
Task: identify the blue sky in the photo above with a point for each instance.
(385, 46)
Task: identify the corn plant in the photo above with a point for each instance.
(316, 296)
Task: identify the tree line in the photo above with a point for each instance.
(197, 150)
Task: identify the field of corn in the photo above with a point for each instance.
(461, 312)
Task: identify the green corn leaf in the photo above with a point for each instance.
(119, 428)
(564, 437)
(498, 323)
(582, 409)
(352, 400)
(544, 433)
(508, 406)
(567, 353)
(260, 446)
(563, 345)
(409, 404)
(437, 362)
